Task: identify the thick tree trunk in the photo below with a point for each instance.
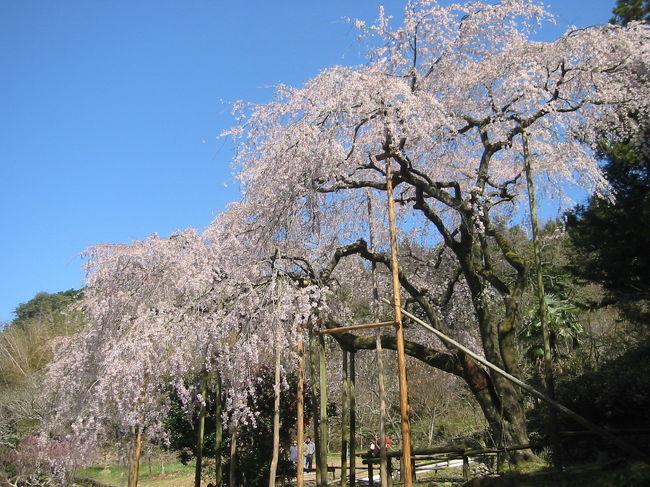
(503, 405)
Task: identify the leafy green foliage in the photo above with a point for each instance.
(564, 327)
(45, 305)
(617, 395)
(24, 343)
(25, 350)
(629, 10)
(254, 440)
(613, 237)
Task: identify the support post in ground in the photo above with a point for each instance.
(300, 461)
(407, 471)
(353, 420)
(345, 421)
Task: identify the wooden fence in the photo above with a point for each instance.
(451, 453)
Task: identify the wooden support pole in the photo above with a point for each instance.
(353, 420)
(134, 457)
(343, 329)
(315, 387)
(218, 434)
(345, 420)
(233, 455)
(201, 433)
(383, 464)
(138, 452)
(276, 417)
(323, 425)
(131, 478)
(401, 356)
(300, 461)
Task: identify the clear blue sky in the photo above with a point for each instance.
(110, 114)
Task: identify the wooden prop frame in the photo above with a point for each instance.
(407, 470)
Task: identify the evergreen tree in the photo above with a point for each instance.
(629, 10)
(612, 237)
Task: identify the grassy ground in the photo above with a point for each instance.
(617, 473)
(174, 474)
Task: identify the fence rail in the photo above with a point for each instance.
(453, 453)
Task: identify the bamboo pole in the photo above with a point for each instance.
(201, 433)
(300, 396)
(345, 420)
(276, 419)
(630, 450)
(549, 380)
(407, 471)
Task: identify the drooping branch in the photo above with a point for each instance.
(444, 361)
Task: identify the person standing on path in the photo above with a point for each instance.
(310, 449)
(293, 452)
